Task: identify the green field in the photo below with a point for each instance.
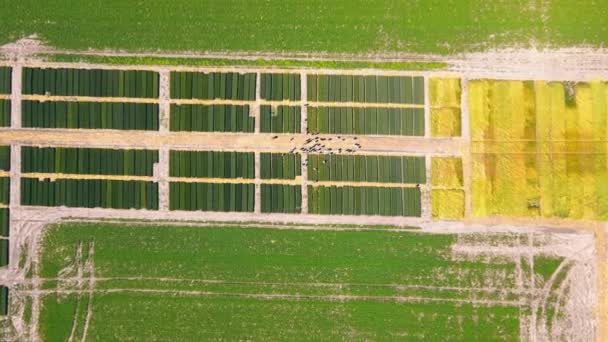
(337, 26)
(279, 284)
(212, 283)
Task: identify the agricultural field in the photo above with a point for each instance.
(211, 118)
(363, 26)
(208, 86)
(539, 148)
(342, 284)
(445, 108)
(90, 115)
(85, 177)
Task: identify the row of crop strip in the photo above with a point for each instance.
(90, 193)
(211, 164)
(374, 121)
(280, 119)
(278, 198)
(88, 161)
(92, 115)
(373, 89)
(211, 118)
(350, 200)
(363, 168)
(5, 80)
(211, 197)
(233, 86)
(277, 87)
(5, 158)
(5, 113)
(280, 165)
(95, 83)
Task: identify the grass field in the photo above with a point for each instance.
(337, 26)
(155, 282)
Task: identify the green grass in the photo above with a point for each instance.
(271, 261)
(270, 63)
(337, 26)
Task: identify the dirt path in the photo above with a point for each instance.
(263, 142)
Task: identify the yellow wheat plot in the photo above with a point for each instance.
(447, 194)
(444, 96)
(539, 148)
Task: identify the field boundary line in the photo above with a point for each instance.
(55, 176)
(74, 98)
(303, 284)
(330, 298)
(6, 97)
(290, 103)
(16, 95)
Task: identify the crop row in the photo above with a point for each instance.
(5, 80)
(362, 168)
(280, 119)
(97, 83)
(89, 193)
(380, 121)
(277, 87)
(211, 118)
(5, 158)
(5, 113)
(215, 85)
(93, 161)
(93, 115)
(3, 289)
(4, 245)
(279, 198)
(5, 190)
(4, 222)
(374, 89)
(211, 164)
(211, 196)
(280, 165)
(350, 200)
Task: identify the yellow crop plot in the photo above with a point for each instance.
(447, 196)
(444, 94)
(539, 148)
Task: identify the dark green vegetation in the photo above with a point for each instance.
(4, 222)
(277, 87)
(3, 300)
(228, 86)
(211, 164)
(94, 115)
(211, 196)
(5, 113)
(280, 119)
(280, 165)
(380, 121)
(211, 118)
(258, 262)
(362, 200)
(360, 26)
(5, 80)
(273, 63)
(4, 252)
(5, 158)
(279, 198)
(5, 190)
(97, 83)
(362, 168)
(375, 89)
(89, 193)
(90, 161)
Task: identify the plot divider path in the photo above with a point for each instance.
(304, 130)
(263, 142)
(257, 203)
(16, 78)
(467, 161)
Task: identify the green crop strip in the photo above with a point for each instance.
(255, 63)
